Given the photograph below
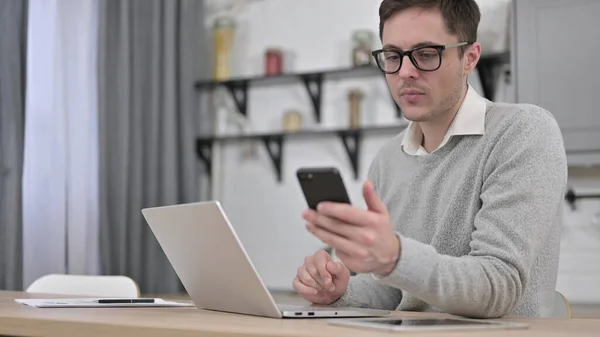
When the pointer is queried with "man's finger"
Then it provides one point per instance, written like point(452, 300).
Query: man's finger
point(339, 243)
point(347, 213)
point(301, 288)
point(307, 279)
point(311, 269)
point(336, 268)
point(374, 203)
point(321, 260)
point(351, 232)
point(309, 215)
point(334, 225)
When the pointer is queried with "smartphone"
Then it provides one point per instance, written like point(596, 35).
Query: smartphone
point(322, 184)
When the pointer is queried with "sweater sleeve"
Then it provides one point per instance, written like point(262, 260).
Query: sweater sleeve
point(364, 291)
point(525, 179)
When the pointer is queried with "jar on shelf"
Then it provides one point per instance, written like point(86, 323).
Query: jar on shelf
point(355, 98)
point(273, 62)
point(292, 121)
point(223, 31)
point(362, 47)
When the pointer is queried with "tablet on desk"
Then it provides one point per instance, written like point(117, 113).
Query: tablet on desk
point(427, 324)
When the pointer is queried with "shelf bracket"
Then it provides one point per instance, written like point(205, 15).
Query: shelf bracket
point(274, 145)
point(571, 198)
point(204, 152)
point(314, 86)
point(239, 93)
point(351, 140)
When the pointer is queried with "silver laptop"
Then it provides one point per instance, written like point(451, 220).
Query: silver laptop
point(215, 269)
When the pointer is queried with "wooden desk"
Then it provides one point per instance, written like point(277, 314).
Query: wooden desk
point(20, 320)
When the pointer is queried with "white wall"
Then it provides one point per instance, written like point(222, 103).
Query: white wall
point(579, 270)
point(267, 214)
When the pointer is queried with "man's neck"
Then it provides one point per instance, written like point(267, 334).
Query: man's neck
point(434, 131)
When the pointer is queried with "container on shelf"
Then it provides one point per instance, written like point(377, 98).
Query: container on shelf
point(362, 47)
point(273, 62)
point(355, 98)
point(223, 31)
point(292, 121)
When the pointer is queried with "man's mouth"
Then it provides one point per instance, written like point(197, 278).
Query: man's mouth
point(411, 94)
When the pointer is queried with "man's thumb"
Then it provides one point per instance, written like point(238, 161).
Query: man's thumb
point(372, 199)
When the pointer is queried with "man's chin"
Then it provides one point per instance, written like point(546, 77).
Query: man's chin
point(415, 114)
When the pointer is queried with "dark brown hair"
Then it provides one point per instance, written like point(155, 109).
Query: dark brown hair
point(461, 17)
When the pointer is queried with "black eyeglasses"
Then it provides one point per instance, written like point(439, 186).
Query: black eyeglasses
point(426, 58)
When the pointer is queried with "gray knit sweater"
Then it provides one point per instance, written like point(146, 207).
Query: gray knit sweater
point(479, 220)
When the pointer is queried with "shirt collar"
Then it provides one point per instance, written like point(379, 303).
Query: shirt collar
point(469, 120)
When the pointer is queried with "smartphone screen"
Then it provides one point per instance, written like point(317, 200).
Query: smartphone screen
point(322, 184)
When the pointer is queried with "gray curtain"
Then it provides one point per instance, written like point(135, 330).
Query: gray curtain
point(150, 53)
point(13, 32)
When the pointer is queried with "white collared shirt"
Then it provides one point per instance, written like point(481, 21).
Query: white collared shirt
point(469, 120)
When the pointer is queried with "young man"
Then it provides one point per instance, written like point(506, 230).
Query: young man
point(464, 206)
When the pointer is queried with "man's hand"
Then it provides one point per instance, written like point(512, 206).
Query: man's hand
point(321, 280)
point(364, 240)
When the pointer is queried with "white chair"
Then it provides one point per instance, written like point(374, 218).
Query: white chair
point(562, 308)
point(85, 285)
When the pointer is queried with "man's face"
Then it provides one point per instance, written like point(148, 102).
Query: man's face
point(425, 96)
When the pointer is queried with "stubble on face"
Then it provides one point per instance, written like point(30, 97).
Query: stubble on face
point(450, 101)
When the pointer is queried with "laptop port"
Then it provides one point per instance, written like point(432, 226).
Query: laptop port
point(311, 314)
point(298, 314)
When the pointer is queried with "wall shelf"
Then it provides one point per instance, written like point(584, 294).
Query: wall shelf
point(350, 137)
point(313, 82)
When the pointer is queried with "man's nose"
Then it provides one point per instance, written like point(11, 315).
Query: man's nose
point(408, 69)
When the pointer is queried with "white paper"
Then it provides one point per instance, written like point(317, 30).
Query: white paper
point(92, 303)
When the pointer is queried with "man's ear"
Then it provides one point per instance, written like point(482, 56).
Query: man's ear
point(471, 57)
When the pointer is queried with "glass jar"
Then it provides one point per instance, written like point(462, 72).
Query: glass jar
point(355, 98)
point(292, 121)
point(363, 46)
point(223, 31)
point(273, 62)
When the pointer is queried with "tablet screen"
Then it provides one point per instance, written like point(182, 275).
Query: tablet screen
point(407, 323)
point(425, 322)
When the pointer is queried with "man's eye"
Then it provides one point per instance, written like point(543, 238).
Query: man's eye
point(427, 55)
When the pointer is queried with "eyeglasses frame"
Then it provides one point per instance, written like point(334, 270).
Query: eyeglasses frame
point(409, 53)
